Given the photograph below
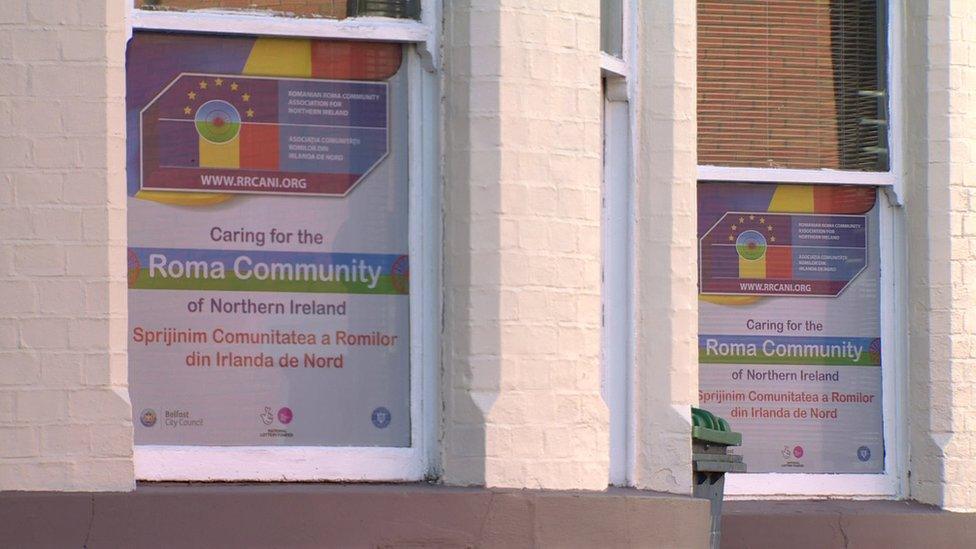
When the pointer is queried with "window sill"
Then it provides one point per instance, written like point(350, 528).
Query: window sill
point(344, 515)
point(358, 28)
point(843, 523)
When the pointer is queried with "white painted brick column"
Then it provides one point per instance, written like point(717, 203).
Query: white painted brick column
point(665, 247)
point(522, 404)
point(941, 200)
point(65, 418)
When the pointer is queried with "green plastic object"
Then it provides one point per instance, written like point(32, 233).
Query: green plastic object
point(707, 427)
point(710, 461)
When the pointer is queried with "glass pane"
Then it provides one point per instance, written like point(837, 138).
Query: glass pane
point(332, 9)
point(335, 9)
point(790, 323)
point(792, 84)
point(612, 26)
point(267, 232)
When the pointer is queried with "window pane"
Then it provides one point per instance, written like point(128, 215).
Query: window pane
point(792, 84)
point(612, 26)
point(790, 323)
point(333, 9)
point(267, 233)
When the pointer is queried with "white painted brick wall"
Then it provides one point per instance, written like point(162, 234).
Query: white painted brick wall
point(522, 404)
point(666, 306)
point(960, 452)
point(65, 418)
point(941, 202)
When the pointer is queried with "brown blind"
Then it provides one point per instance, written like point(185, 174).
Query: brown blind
point(792, 84)
point(335, 9)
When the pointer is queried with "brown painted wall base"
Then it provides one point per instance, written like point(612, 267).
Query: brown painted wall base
point(828, 524)
point(350, 515)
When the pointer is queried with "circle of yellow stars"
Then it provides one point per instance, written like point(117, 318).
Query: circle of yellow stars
point(752, 217)
point(219, 83)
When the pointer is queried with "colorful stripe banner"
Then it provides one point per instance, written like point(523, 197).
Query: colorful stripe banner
point(259, 271)
point(789, 350)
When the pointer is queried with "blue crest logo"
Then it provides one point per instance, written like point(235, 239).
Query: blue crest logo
point(381, 418)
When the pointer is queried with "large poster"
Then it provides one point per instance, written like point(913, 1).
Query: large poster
point(789, 323)
point(267, 232)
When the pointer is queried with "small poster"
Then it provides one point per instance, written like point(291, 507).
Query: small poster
point(226, 132)
point(789, 324)
point(762, 253)
point(268, 261)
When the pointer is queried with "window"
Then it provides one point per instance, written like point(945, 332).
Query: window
point(790, 323)
point(331, 9)
point(800, 344)
point(617, 170)
point(792, 84)
point(612, 27)
point(279, 217)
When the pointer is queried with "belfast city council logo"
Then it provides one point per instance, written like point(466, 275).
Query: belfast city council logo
point(147, 417)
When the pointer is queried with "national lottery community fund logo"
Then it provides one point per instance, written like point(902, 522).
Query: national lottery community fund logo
point(790, 452)
point(285, 415)
point(148, 417)
point(267, 416)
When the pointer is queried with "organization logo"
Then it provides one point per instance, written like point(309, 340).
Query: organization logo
point(134, 268)
point(180, 419)
point(750, 245)
point(147, 417)
point(381, 418)
point(267, 416)
point(224, 124)
point(791, 456)
point(863, 453)
point(400, 274)
point(285, 415)
point(875, 350)
point(217, 121)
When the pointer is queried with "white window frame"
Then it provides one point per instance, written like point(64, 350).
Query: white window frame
point(617, 279)
point(893, 482)
point(617, 226)
point(612, 65)
point(308, 463)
